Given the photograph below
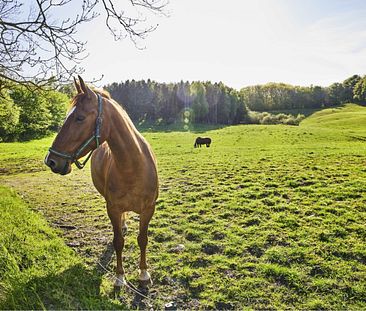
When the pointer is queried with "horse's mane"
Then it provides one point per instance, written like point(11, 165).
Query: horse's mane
point(106, 95)
point(131, 127)
point(101, 92)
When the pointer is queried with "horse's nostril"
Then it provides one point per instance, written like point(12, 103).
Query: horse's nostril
point(51, 163)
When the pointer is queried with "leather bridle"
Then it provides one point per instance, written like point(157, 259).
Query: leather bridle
point(96, 136)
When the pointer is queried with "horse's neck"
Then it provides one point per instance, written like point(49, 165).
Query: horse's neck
point(123, 139)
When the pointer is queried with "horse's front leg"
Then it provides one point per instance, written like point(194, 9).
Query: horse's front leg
point(142, 239)
point(118, 242)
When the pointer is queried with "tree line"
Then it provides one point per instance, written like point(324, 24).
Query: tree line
point(216, 103)
point(27, 114)
point(281, 96)
point(162, 103)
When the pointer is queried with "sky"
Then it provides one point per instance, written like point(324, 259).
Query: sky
point(238, 42)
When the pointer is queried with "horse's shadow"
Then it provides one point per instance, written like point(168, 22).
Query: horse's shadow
point(74, 288)
point(105, 258)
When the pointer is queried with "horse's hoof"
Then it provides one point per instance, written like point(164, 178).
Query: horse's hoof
point(120, 281)
point(145, 279)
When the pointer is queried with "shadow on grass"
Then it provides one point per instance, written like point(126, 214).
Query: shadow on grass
point(105, 258)
point(74, 288)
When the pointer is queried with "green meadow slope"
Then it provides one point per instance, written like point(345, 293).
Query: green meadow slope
point(270, 217)
point(350, 118)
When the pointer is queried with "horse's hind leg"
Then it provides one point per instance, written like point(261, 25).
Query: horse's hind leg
point(142, 239)
point(118, 242)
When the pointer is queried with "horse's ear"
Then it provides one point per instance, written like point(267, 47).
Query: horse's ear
point(85, 89)
point(77, 86)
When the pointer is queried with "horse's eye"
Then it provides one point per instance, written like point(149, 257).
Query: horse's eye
point(80, 118)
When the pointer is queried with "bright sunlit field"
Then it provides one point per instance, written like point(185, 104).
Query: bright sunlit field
point(268, 217)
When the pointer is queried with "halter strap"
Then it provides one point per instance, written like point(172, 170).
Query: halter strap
point(96, 136)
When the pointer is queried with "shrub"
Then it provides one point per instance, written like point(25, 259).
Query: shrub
point(269, 118)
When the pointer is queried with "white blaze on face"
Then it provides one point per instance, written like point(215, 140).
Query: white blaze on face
point(69, 113)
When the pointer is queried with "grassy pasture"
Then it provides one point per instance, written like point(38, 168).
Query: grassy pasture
point(271, 217)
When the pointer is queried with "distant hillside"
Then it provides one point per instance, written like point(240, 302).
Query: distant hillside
point(347, 117)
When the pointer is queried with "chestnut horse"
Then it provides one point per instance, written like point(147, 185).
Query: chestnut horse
point(123, 166)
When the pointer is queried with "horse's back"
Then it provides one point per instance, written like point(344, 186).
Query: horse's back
point(203, 140)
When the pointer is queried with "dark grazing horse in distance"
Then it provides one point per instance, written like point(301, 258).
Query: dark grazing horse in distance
point(202, 141)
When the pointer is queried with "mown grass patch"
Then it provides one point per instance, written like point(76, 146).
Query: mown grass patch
point(268, 217)
point(24, 157)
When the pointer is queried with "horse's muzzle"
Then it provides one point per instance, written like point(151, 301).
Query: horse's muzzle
point(57, 165)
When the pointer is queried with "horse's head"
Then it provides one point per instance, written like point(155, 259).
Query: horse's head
point(80, 132)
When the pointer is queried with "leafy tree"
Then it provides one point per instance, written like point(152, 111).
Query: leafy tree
point(316, 96)
point(254, 98)
point(34, 118)
point(239, 112)
point(199, 105)
point(213, 95)
point(34, 113)
point(9, 118)
point(359, 91)
point(223, 109)
point(349, 85)
point(56, 103)
point(336, 94)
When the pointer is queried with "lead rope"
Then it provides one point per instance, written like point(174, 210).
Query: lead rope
point(128, 284)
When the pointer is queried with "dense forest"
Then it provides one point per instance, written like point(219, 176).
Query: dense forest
point(201, 102)
point(26, 114)
point(215, 103)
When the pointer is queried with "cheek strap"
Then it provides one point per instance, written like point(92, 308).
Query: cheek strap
point(96, 136)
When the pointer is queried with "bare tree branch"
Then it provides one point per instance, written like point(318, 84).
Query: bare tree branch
point(36, 49)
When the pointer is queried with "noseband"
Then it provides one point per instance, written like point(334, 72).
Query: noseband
point(96, 136)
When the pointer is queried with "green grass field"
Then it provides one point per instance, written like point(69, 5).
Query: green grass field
point(271, 217)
